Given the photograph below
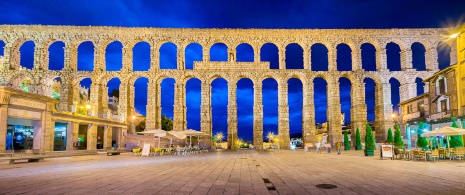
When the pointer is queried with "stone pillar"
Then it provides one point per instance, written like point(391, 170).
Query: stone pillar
point(383, 111)
point(258, 116)
point(71, 57)
point(205, 54)
point(283, 115)
point(431, 60)
point(231, 55)
point(122, 138)
point(151, 107)
point(306, 55)
point(6, 55)
point(332, 60)
point(37, 56)
point(256, 55)
point(107, 137)
point(381, 60)
point(179, 118)
point(123, 101)
point(308, 113)
point(95, 100)
point(334, 111)
point(47, 128)
point(206, 109)
point(409, 90)
point(282, 58)
point(358, 110)
point(453, 52)
point(406, 59)
point(232, 114)
point(357, 59)
point(154, 56)
point(92, 137)
point(64, 103)
point(127, 59)
point(99, 58)
point(72, 135)
point(181, 65)
point(4, 101)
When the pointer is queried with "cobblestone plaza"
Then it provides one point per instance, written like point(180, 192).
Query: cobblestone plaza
point(233, 172)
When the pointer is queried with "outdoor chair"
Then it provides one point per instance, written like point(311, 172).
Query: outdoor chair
point(137, 151)
point(435, 155)
point(442, 153)
point(459, 153)
point(397, 153)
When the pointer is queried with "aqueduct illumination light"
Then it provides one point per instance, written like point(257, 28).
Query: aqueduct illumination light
point(454, 35)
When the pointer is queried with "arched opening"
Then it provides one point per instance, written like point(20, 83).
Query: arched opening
point(393, 56)
point(114, 56)
point(443, 50)
point(344, 57)
point(319, 55)
point(244, 53)
point(420, 86)
point(370, 99)
point(418, 56)
point(113, 94)
point(140, 95)
point(56, 56)
point(269, 53)
point(295, 101)
point(321, 101)
point(193, 101)
point(219, 52)
point(395, 96)
point(345, 87)
point(27, 54)
point(245, 101)
point(368, 57)
point(168, 56)
point(2, 48)
point(84, 90)
point(270, 107)
point(219, 102)
point(56, 88)
point(85, 56)
point(294, 56)
point(193, 52)
point(141, 57)
point(167, 97)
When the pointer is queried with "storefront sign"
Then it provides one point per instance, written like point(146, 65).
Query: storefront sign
point(387, 151)
point(28, 103)
point(26, 114)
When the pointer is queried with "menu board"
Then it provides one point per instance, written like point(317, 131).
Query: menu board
point(146, 150)
point(387, 151)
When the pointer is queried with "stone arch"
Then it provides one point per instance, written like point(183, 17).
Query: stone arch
point(266, 54)
point(54, 57)
point(168, 55)
point(319, 57)
point(219, 52)
point(244, 53)
point(444, 58)
point(418, 56)
point(393, 56)
point(114, 56)
point(192, 53)
point(420, 86)
point(193, 89)
point(344, 57)
point(368, 56)
point(294, 56)
point(26, 54)
point(85, 56)
point(141, 55)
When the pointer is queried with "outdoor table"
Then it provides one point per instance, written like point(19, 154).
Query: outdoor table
point(427, 153)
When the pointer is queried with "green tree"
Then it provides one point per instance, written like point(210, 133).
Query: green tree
point(358, 140)
point(456, 140)
point(421, 141)
point(166, 123)
point(140, 126)
point(390, 139)
point(369, 139)
point(398, 143)
point(346, 140)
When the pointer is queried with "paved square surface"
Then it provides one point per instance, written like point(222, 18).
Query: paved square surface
point(233, 172)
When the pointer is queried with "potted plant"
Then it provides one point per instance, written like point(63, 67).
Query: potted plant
point(369, 142)
point(421, 141)
point(346, 141)
point(358, 140)
point(390, 139)
point(398, 143)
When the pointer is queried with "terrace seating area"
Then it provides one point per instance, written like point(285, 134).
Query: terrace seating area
point(179, 151)
point(434, 155)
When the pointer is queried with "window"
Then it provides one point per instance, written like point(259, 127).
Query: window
point(443, 105)
point(442, 87)
point(409, 109)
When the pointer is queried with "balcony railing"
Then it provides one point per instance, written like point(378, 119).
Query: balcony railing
point(411, 116)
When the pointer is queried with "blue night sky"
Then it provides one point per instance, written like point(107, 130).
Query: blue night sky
point(236, 14)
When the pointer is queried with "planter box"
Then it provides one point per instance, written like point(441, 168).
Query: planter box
point(358, 147)
point(369, 152)
point(347, 148)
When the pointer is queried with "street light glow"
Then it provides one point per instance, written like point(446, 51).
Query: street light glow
point(454, 35)
point(88, 106)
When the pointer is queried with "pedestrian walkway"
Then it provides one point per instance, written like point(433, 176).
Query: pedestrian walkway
point(233, 172)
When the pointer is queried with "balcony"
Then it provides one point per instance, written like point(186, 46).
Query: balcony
point(445, 114)
point(411, 116)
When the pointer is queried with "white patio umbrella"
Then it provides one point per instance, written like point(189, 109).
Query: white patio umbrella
point(191, 132)
point(175, 134)
point(156, 133)
point(445, 131)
